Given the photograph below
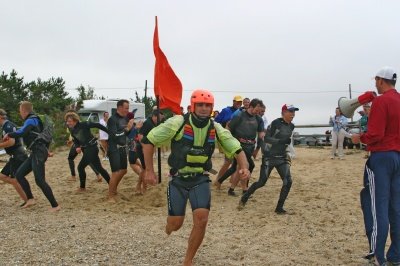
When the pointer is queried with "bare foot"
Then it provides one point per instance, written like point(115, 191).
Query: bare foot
point(138, 189)
point(112, 199)
point(217, 184)
point(28, 203)
point(55, 209)
point(168, 230)
point(81, 189)
point(72, 178)
point(187, 263)
point(143, 189)
point(99, 178)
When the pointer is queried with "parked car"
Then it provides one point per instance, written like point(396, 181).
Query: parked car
point(348, 142)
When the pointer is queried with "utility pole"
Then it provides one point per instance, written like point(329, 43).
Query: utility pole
point(145, 91)
point(350, 98)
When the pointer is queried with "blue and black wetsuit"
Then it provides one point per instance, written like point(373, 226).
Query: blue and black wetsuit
point(36, 161)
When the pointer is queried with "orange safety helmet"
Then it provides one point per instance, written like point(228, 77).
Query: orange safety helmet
point(201, 96)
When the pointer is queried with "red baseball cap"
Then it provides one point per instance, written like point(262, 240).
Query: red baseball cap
point(289, 107)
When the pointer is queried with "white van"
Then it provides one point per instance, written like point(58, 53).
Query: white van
point(93, 110)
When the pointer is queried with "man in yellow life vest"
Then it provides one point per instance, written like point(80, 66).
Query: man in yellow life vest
point(193, 140)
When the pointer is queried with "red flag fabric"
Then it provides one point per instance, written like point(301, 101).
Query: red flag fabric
point(167, 85)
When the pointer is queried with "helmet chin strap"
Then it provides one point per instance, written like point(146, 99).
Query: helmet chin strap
point(200, 121)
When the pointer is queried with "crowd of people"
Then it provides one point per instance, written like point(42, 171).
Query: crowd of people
point(239, 131)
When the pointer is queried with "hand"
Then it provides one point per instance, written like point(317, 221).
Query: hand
point(139, 124)
point(244, 174)
point(285, 141)
point(130, 124)
point(78, 150)
point(150, 177)
point(355, 138)
point(6, 137)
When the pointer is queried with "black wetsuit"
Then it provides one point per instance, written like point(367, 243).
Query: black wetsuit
point(147, 126)
point(84, 139)
point(117, 142)
point(275, 155)
point(16, 152)
point(244, 127)
point(36, 160)
point(71, 157)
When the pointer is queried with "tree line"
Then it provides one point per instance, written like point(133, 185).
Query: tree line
point(49, 97)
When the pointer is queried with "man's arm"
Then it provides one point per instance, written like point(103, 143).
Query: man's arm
point(29, 124)
point(97, 125)
point(8, 143)
point(221, 116)
point(148, 151)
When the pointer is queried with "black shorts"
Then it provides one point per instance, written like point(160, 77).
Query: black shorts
point(12, 165)
point(118, 159)
point(139, 155)
point(133, 156)
point(196, 190)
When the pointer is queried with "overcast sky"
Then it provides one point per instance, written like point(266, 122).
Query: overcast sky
point(300, 52)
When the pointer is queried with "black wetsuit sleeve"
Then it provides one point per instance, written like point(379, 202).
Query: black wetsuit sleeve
point(233, 124)
point(260, 122)
point(270, 135)
point(97, 125)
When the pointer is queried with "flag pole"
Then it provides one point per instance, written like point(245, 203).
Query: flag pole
point(158, 149)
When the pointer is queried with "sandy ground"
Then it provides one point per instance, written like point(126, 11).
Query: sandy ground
point(325, 225)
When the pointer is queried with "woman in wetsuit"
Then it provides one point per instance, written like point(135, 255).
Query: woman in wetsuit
point(87, 143)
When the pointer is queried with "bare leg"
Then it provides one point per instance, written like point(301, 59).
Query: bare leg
point(222, 171)
point(234, 180)
point(16, 185)
point(113, 185)
point(200, 220)
point(173, 224)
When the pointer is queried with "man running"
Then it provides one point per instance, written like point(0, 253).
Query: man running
point(277, 138)
point(245, 127)
point(380, 198)
point(36, 161)
point(118, 129)
point(224, 118)
point(85, 142)
point(14, 149)
point(193, 142)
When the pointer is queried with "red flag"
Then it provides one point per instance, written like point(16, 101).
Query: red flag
point(167, 85)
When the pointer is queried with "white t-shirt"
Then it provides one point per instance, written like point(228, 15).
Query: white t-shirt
point(103, 135)
point(265, 120)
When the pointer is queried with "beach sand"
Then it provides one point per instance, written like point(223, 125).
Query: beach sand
point(324, 227)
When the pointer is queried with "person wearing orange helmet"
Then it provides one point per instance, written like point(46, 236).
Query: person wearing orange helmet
point(193, 139)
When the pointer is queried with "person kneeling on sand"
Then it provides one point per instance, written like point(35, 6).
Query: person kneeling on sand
point(192, 145)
